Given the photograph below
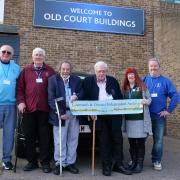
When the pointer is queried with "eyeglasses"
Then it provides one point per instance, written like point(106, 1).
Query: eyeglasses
point(6, 52)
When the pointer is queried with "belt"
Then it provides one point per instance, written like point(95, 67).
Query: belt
point(67, 108)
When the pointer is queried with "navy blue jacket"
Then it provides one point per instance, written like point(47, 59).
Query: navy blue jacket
point(56, 89)
point(91, 92)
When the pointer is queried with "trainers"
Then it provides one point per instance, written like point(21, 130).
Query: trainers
point(7, 165)
point(157, 166)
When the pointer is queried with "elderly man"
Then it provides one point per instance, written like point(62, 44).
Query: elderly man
point(9, 72)
point(103, 87)
point(160, 88)
point(68, 86)
point(32, 100)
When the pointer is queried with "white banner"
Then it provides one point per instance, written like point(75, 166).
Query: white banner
point(125, 106)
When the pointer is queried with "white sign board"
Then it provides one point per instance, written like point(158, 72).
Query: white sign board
point(1, 11)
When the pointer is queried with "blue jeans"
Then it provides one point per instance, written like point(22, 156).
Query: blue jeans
point(8, 123)
point(158, 127)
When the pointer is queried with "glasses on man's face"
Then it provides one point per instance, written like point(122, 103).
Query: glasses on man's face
point(6, 52)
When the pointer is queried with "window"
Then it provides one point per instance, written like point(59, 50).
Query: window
point(171, 1)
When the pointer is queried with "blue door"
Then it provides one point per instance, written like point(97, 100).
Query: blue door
point(14, 41)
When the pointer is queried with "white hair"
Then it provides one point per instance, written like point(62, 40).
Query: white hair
point(39, 50)
point(155, 59)
point(100, 64)
point(9, 47)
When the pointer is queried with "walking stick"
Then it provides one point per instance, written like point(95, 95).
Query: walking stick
point(17, 133)
point(1, 150)
point(60, 145)
point(93, 146)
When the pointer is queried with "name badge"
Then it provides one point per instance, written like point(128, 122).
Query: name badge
point(154, 95)
point(7, 82)
point(39, 80)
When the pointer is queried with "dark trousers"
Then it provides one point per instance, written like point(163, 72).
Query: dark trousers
point(111, 143)
point(36, 128)
point(137, 148)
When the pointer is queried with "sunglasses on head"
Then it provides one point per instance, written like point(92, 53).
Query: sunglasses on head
point(6, 52)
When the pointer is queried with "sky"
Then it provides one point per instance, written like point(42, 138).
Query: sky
point(1, 11)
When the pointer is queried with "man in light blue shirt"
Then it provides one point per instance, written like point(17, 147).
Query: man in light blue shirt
point(160, 88)
point(9, 72)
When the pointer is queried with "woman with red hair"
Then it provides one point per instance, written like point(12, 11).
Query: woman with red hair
point(138, 126)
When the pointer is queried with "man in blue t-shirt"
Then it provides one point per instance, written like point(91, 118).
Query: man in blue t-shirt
point(161, 89)
point(9, 72)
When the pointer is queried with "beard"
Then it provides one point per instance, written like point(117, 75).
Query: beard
point(65, 77)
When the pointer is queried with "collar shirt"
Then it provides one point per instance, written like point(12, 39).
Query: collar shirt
point(103, 95)
point(67, 91)
point(102, 90)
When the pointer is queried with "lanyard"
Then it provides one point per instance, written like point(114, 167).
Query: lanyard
point(130, 93)
point(4, 72)
point(153, 85)
point(38, 73)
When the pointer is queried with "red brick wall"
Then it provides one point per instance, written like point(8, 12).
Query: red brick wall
point(83, 49)
point(167, 47)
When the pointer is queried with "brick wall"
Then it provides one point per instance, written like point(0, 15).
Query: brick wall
point(82, 48)
point(167, 47)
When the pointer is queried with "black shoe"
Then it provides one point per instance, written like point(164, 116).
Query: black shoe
point(30, 166)
point(121, 169)
point(71, 168)
point(132, 166)
point(46, 167)
point(56, 170)
point(106, 170)
point(138, 168)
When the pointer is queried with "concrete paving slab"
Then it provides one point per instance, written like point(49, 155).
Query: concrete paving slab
point(171, 167)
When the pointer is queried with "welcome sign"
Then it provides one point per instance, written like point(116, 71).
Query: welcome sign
point(88, 17)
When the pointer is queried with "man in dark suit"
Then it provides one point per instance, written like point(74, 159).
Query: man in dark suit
point(108, 127)
point(67, 86)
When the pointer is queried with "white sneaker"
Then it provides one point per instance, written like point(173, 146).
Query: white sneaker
point(157, 166)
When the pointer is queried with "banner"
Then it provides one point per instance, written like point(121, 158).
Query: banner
point(88, 17)
point(109, 107)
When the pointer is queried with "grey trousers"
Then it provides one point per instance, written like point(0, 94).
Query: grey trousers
point(70, 135)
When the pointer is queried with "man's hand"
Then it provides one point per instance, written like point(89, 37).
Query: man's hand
point(73, 98)
point(64, 117)
point(164, 114)
point(144, 101)
point(22, 107)
point(92, 117)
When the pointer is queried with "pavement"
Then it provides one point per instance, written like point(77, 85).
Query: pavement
point(171, 166)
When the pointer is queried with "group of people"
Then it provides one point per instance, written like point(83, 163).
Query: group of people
point(34, 90)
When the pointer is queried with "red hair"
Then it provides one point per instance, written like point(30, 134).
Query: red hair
point(138, 81)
